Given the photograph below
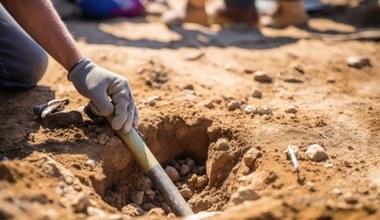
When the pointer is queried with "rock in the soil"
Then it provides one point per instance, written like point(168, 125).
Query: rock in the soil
point(232, 105)
point(249, 109)
point(152, 100)
point(63, 118)
point(148, 206)
point(189, 87)
point(220, 161)
point(351, 198)
point(256, 93)
point(137, 197)
point(291, 109)
point(358, 61)
point(251, 156)
point(244, 193)
point(222, 144)
point(198, 204)
point(316, 153)
point(103, 139)
point(208, 104)
point(186, 193)
point(91, 163)
point(190, 162)
point(185, 169)
point(172, 173)
point(201, 182)
point(150, 193)
point(264, 111)
point(262, 77)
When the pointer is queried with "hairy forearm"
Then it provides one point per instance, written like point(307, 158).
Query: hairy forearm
point(40, 20)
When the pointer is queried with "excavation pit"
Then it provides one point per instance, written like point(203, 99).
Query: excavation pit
point(199, 158)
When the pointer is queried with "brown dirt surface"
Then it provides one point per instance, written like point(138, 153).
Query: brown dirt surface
point(227, 146)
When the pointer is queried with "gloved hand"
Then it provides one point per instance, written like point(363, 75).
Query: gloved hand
point(99, 85)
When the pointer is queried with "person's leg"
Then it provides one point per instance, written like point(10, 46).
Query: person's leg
point(194, 12)
point(22, 61)
point(289, 12)
point(243, 11)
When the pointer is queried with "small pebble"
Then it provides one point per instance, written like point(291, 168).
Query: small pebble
point(189, 87)
point(186, 193)
point(264, 110)
point(137, 197)
point(148, 206)
point(216, 100)
point(311, 186)
point(256, 93)
point(358, 61)
point(350, 198)
point(208, 104)
point(90, 163)
point(185, 169)
point(201, 182)
point(172, 173)
point(291, 109)
point(151, 194)
point(262, 77)
point(249, 109)
point(316, 153)
point(232, 105)
point(328, 165)
point(190, 162)
point(152, 100)
point(250, 157)
point(336, 191)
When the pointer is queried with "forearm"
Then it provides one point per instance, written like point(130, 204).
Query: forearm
point(40, 20)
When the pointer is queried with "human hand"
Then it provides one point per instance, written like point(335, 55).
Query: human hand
point(99, 85)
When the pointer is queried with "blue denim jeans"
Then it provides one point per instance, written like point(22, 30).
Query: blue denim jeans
point(22, 61)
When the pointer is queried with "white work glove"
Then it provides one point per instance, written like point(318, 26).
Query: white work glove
point(99, 85)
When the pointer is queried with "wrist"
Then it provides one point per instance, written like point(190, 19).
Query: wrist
point(76, 64)
point(80, 69)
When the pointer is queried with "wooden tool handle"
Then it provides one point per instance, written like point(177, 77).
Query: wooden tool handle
point(156, 173)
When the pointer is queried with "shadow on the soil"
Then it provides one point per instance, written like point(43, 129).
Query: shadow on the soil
point(366, 15)
point(17, 118)
point(236, 36)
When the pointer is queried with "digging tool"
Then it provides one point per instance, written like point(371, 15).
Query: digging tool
point(153, 169)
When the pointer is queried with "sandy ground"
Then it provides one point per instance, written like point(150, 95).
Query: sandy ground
point(192, 86)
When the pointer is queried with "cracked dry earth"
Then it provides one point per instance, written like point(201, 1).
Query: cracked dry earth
point(218, 111)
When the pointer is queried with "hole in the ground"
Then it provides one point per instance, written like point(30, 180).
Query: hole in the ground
point(199, 157)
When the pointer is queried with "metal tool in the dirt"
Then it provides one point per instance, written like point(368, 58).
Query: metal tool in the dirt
point(154, 170)
point(292, 151)
point(53, 113)
point(52, 106)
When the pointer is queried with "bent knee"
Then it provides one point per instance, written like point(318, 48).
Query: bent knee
point(24, 73)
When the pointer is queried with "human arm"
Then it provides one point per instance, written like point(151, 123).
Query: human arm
point(39, 19)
